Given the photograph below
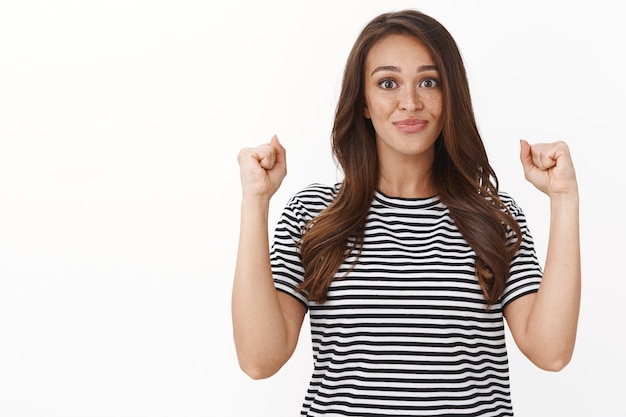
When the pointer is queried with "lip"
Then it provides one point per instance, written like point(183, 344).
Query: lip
point(411, 125)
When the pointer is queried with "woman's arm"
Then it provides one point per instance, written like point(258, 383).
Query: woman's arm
point(544, 324)
point(266, 323)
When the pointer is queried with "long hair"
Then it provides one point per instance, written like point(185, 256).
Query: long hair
point(465, 181)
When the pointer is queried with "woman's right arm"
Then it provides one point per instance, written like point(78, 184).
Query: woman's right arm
point(266, 322)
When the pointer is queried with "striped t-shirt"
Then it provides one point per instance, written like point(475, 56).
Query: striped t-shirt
point(407, 332)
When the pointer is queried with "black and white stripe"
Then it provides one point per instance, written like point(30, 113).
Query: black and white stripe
point(407, 331)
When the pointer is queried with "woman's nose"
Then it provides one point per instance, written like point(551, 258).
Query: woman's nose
point(410, 100)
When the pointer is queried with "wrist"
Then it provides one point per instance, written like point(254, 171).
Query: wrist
point(255, 202)
point(567, 200)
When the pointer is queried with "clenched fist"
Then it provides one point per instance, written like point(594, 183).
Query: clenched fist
point(549, 167)
point(262, 169)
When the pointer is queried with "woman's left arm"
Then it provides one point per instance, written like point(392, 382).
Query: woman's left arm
point(544, 324)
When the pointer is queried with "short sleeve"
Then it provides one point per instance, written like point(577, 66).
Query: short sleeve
point(525, 271)
point(285, 258)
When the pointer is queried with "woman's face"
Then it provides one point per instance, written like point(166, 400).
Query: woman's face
point(403, 98)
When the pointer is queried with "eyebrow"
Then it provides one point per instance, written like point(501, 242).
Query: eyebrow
point(392, 68)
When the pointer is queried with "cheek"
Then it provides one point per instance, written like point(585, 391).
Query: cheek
point(377, 106)
point(435, 105)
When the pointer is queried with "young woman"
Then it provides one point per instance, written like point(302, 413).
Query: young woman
point(409, 266)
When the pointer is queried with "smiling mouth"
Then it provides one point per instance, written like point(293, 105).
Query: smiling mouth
point(411, 125)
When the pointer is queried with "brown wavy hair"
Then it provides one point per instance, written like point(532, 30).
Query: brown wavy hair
point(465, 181)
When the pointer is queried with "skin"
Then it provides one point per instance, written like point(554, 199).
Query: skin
point(544, 324)
point(404, 103)
point(267, 323)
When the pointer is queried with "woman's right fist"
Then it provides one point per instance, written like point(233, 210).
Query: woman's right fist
point(262, 168)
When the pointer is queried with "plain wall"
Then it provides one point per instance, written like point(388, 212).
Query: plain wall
point(120, 123)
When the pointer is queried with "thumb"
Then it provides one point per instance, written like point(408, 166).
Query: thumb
point(525, 155)
point(281, 153)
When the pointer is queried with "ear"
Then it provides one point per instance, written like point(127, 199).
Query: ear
point(366, 112)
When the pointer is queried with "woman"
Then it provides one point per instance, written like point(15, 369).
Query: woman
point(410, 265)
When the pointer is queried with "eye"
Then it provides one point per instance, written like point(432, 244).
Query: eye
point(387, 83)
point(429, 83)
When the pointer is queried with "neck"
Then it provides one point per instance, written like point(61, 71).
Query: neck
point(408, 183)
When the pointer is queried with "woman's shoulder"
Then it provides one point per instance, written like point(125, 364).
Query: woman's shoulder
point(311, 200)
point(510, 203)
point(317, 193)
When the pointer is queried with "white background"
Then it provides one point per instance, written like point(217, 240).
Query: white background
point(120, 122)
